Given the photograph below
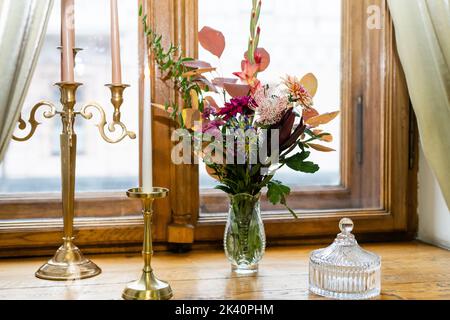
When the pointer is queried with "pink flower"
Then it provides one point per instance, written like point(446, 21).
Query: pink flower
point(249, 73)
point(239, 105)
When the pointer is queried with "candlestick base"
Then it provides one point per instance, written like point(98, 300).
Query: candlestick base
point(68, 263)
point(148, 287)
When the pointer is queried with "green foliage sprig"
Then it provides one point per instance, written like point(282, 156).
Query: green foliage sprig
point(171, 64)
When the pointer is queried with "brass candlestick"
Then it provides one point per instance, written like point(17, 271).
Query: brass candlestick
point(148, 287)
point(69, 263)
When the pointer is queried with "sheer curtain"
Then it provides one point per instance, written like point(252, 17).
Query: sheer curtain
point(423, 40)
point(23, 24)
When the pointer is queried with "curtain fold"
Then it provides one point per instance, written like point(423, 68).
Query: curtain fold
point(423, 39)
point(23, 24)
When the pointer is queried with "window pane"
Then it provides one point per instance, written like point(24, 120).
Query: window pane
point(34, 166)
point(302, 36)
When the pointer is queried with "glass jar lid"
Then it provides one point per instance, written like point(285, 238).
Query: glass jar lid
point(345, 251)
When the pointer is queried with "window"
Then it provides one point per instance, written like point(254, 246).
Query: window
point(372, 177)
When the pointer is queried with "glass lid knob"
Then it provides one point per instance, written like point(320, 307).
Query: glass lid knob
point(346, 225)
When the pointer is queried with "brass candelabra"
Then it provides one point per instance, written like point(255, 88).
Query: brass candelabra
point(69, 263)
point(148, 287)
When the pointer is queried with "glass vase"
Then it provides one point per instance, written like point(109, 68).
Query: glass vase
point(244, 239)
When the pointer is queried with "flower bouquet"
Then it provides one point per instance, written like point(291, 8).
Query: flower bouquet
point(246, 136)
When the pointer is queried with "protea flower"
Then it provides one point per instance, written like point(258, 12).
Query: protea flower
point(271, 106)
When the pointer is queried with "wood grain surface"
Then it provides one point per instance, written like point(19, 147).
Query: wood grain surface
point(409, 271)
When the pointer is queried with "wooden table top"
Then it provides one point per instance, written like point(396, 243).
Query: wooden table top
point(409, 271)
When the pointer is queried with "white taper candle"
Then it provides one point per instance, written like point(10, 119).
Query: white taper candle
point(147, 145)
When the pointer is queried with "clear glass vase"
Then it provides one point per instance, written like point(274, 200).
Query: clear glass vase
point(245, 239)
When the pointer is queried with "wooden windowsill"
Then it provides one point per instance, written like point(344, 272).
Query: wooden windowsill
point(411, 270)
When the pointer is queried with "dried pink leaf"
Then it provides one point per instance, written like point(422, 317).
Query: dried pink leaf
point(212, 102)
point(197, 64)
point(204, 83)
point(309, 113)
point(320, 147)
point(212, 40)
point(221, 81)
point(237, 90)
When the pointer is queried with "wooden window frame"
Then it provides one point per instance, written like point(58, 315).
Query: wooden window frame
point(375, 73)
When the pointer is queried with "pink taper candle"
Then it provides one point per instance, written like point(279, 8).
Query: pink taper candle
point(115, 44)
point(67, 40)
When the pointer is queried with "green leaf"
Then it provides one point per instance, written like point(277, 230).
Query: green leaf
point(224, 189)
point(277, 192)
point(265, 181)
point(256, 169)
point(306, 167)
point(299, 157)
point(167, 65)
point(230, 182)
point(297, 162)
point(301, 146)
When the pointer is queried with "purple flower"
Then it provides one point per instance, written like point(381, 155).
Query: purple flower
point(208, 111)
point(212, 125)
point(239, 105)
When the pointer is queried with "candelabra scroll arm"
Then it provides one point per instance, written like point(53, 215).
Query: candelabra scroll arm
point(88, 115)
point(22, 124)
point(117, 101)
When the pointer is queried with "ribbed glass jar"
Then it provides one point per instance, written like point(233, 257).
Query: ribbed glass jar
point(244, 239)
point(344, 270)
